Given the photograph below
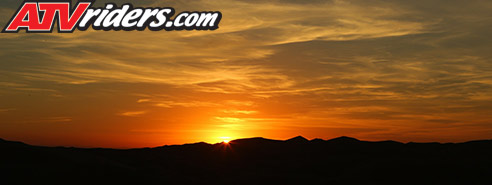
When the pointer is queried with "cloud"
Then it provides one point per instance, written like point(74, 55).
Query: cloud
point(6, 110)
point(236, 112)
point(58, 119)
point(132, 113)
point(90, 57)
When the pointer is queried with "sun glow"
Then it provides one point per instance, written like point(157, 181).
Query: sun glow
point(225, 139)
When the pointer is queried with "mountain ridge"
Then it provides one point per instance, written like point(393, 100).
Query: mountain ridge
point(296, 139)
point(341, 160)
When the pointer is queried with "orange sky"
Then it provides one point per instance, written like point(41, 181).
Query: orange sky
point(400, 70)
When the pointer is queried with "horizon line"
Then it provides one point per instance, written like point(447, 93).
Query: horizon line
point(235, 140)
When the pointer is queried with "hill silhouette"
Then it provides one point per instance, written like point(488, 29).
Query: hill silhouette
point(342, 160)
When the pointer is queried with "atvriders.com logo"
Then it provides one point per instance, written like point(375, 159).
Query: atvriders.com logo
point(39, 16)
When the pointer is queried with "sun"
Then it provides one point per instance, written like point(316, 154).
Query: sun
point(225, 139)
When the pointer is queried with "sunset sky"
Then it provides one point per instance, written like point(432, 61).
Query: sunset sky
point(375, 70)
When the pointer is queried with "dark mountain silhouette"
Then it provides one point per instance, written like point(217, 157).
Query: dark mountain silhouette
point(343, 139)
point(342, 160)
point(298, 139)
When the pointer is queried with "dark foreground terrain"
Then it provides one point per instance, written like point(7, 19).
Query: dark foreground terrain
point(253, 161)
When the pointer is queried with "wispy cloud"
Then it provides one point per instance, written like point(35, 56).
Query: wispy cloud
point(6, 109)
point(132, 113)
point(60, 119)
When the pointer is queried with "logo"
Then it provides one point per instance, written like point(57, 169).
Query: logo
point(40, 16)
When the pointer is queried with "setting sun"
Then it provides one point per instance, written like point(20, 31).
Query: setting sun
point(225, 139)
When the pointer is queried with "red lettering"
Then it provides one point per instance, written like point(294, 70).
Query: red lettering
point(31, 11)
point(66, 22)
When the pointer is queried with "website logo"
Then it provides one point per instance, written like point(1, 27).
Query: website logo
point(40, 16)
